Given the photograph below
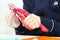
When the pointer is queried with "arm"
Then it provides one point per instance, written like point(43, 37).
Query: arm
point(47, 22)
point(52, 25)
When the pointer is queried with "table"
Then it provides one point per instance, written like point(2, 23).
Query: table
point(43, 38)
point(25, 37)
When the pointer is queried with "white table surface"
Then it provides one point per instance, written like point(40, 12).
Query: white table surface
point(16, 36)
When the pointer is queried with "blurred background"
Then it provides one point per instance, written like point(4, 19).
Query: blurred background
point(4, 9)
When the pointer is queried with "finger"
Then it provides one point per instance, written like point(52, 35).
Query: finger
point(37, 18)
point(10, 17)
point(36, 25)
point(27, 19)
point(31, 24)
point(31, 20)
point(11, 6)
point(15, 22)
point(27, 26)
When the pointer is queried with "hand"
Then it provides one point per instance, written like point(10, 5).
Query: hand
point(12, 20)
point(32, 21)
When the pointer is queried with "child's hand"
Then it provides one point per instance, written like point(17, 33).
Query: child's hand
point(32, 21)
point(12, 20)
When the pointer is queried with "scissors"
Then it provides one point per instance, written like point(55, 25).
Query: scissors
point(22, 14)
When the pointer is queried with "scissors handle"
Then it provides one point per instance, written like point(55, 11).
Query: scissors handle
point(22, 14)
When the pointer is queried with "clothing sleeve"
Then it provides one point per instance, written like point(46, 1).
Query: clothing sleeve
point(28, 5)
point(49, 23)
point(52, 25)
